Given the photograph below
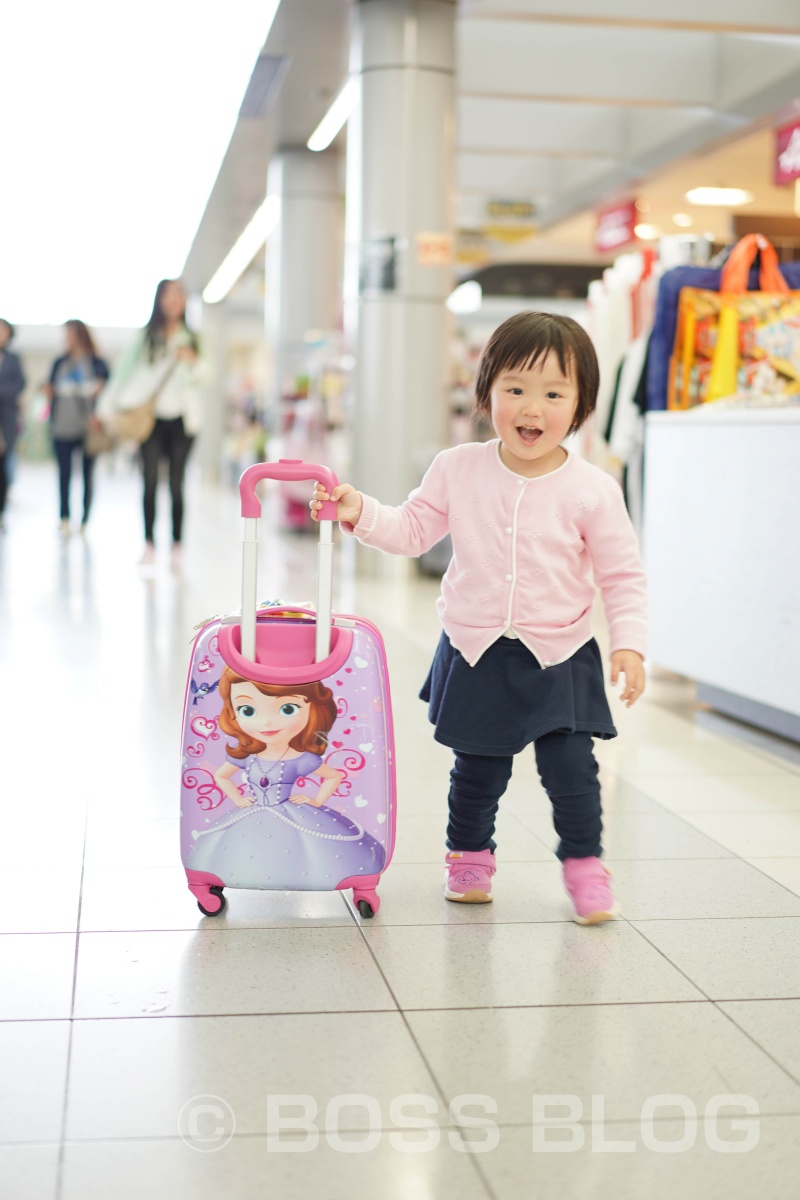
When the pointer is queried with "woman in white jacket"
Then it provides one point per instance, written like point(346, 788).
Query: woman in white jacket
point(165, 360)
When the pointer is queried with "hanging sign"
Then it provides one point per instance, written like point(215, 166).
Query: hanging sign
point(513, 210)
point(615, 227)
point(787, 153)
point(378, 265)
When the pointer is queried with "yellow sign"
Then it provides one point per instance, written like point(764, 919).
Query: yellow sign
point(517, 210)
point(509, 233)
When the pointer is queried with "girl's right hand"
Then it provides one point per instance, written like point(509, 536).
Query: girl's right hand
point(242, 801)
point(349, 502)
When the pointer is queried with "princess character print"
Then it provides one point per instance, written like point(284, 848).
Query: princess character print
point(286, 786)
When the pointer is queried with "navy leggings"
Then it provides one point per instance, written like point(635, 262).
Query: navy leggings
point(65, 450)
point(568, 771)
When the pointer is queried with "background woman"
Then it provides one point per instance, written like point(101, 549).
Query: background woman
point(165, 361)
point(76, 380)
point(12, 384)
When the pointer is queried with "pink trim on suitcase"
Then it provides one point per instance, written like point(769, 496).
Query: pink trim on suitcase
point(389, 725)
point(290, 654)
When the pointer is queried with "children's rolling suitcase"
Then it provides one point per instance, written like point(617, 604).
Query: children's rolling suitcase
point(287, 755)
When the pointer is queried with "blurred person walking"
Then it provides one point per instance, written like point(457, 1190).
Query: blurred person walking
point(76, 380)
point(12, 384)
point(163, 369)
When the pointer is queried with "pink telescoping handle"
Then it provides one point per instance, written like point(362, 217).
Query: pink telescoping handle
point(289, 469)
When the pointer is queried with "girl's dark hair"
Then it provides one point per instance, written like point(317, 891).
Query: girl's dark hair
point(526, 339)
point(154, 334)
point(83, 335)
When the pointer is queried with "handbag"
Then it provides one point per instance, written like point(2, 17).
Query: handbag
point(134, 422)
point(97, 440)
point(734, 340)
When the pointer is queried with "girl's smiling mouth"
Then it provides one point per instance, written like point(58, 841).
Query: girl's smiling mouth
point(529, 434)
point(268, 732)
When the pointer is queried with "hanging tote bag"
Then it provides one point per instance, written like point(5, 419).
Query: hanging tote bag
point(734, 340)
point(97, 439)
point(134, 416)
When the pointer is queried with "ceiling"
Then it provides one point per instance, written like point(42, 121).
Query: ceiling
point(570, 104)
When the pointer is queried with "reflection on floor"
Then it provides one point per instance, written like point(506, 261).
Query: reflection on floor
point(134, 1034)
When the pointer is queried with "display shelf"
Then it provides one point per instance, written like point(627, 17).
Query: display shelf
point(722, 551)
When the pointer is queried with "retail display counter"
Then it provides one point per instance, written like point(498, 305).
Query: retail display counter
point(722, 551)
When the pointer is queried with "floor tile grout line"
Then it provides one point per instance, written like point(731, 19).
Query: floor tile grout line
point(465, 924)
point(751, 1037)
point(731, 853)
point(170, 1139)
point(442, 1093)
point(68, 1068)
point(366, 1012)
point(672, 964)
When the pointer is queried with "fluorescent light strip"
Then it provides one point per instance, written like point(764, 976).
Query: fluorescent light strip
point(335, 117)
point(719, 196)
point(243, 251)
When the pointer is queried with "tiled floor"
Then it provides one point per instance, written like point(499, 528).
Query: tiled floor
point(546, 1059)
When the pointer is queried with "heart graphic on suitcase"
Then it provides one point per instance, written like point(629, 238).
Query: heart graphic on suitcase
point(203, 727)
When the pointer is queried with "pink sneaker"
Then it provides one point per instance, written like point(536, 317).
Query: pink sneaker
point(587, 882)
point(468, 876)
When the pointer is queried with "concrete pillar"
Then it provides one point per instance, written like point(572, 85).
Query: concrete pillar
point(213, 332)
point(304, 256)
point(398, 273)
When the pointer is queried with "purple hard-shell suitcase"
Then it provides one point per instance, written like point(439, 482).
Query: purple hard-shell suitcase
point(287, 752)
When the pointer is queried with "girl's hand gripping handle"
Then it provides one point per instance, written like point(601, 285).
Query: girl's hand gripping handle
point(343, 498)
point(285, 469)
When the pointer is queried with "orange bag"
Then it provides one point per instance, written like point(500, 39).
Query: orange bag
point(734, 340)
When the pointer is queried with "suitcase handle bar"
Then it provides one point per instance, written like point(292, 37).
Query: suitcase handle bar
point(286, 470)
point(293, 469)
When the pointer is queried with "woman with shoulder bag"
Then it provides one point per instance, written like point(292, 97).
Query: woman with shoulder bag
point(156, 400)
point(76, 380)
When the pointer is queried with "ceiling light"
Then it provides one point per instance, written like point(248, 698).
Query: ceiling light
point(243, 251)
point(724, 196)
point(682, 219)
point(647, 233)
point(335, 117)
point(466, 298)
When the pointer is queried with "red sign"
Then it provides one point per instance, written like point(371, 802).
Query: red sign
point(787, 153)
point(615, 227)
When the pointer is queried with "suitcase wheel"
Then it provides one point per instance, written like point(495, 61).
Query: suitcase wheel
point(213, 912)
point(366, 909)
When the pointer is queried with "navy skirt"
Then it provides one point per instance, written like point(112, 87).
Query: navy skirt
point(507, 700)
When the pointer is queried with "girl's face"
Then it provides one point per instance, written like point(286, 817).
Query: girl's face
point(172, 302)
point(71, 340)
point(274, 720)
point(532, 410)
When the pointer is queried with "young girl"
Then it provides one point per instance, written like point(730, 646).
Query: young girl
point(280, 735)
point(517, 662)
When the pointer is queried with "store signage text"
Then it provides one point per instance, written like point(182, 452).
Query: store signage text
point(615, 227)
